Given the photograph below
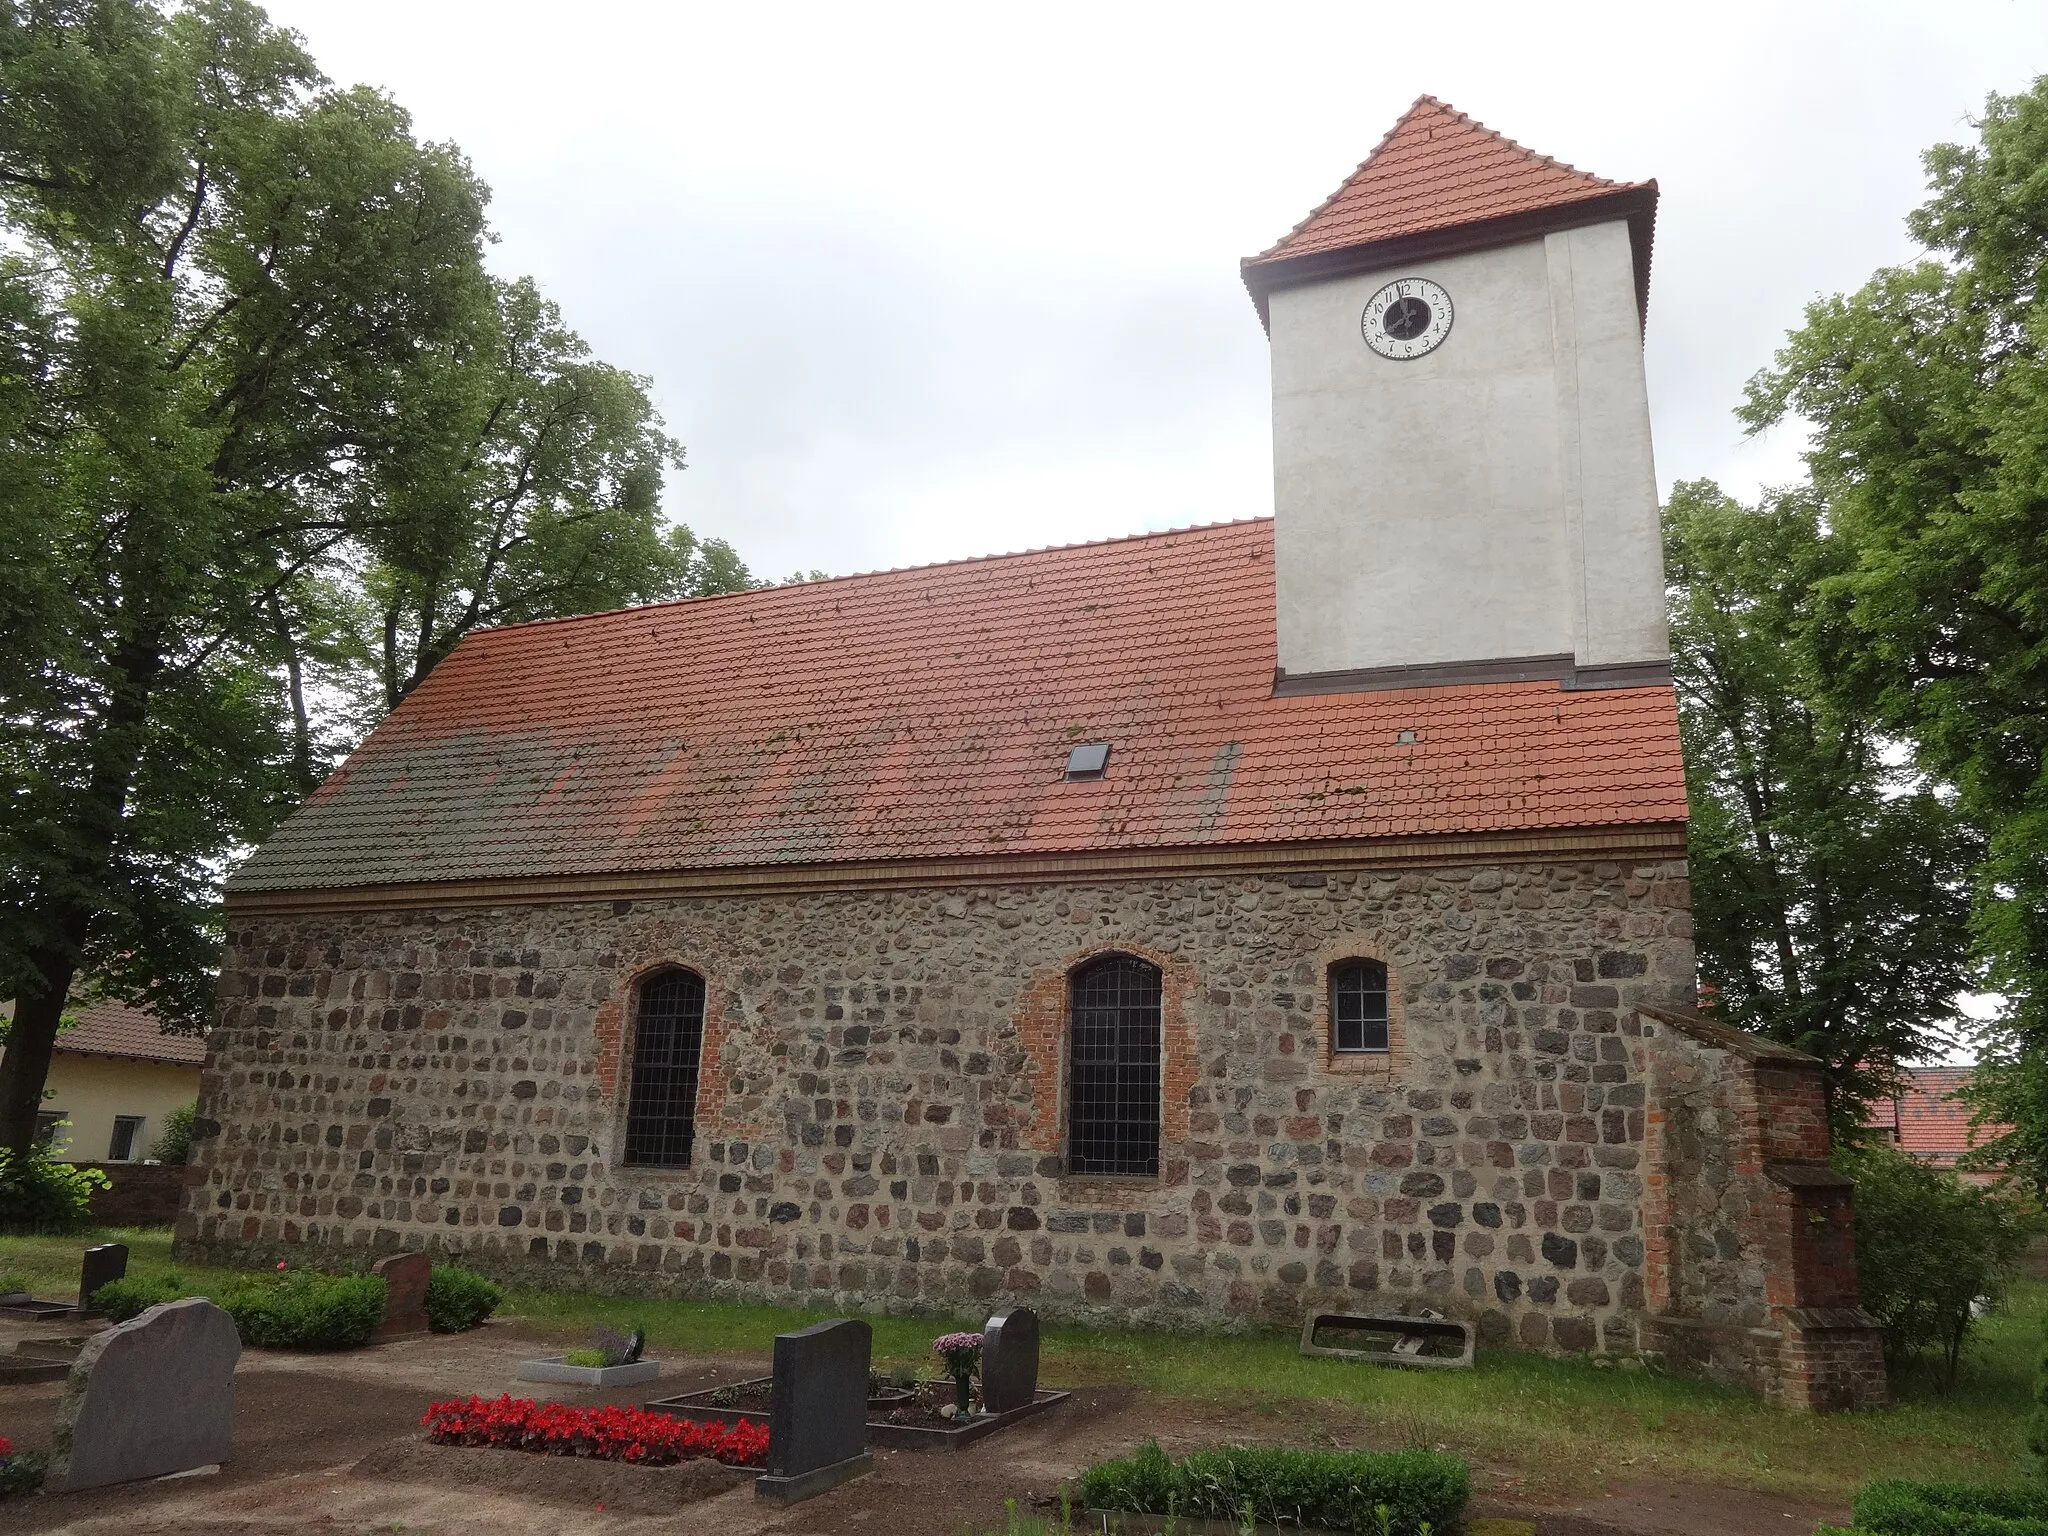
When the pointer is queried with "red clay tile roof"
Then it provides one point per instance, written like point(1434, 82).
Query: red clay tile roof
point(1928, 1121)
point(928, 713)
point(1437, 169)
point(114, 1029)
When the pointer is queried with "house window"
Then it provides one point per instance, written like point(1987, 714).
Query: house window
point(127, 1130)
point(668, 1046)
point(1358, 1007)
point(1113, 1069)
point(47, 1121)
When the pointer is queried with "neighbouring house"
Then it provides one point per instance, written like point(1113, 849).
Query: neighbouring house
point(1188, 929)
point(114, 1077)
point(1929, 1121)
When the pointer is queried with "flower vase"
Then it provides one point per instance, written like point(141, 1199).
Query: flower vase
point(963, 1394)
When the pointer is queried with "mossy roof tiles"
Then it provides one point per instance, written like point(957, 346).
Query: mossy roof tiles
point(928, 713)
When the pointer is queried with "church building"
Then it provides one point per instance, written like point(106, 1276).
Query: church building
point(1184, 930)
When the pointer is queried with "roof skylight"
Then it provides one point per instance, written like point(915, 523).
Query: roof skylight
point(1090, 760)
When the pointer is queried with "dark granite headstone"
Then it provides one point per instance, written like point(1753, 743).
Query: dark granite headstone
point(1009, 1360)
point(103, 1266)
point(150, 1396)
point(818, 1410)
point(405, 1295)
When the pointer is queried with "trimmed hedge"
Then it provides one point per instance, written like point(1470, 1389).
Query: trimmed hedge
point(301, 1309)
point(1945, 1509)
point(1401, 1493)
point(123, 1299)
point(459, 1299)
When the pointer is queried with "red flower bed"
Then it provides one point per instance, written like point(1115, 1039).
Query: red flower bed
point(607, 1434)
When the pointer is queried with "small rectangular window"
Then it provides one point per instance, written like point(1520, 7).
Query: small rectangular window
point(1090, 760)
point(127, 1131)
point(1358, 1007)
point(47, 1121)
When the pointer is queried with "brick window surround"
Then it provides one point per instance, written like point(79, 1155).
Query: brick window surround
point(1349, 950)
point(613, 1026)
point(1043, 1028)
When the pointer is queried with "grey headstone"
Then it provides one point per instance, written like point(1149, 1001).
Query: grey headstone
point(103, 1266)
point(149, 1396)
point(1009, 1360)
point(818, 1410)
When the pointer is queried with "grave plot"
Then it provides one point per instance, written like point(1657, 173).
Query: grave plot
point(915, 1417)
point(101, 1266)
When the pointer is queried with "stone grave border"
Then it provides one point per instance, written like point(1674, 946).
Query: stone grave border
point(698, 1407)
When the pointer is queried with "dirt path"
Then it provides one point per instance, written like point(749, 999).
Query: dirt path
point(330, 1443)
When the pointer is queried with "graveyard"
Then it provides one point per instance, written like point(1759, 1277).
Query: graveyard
point(332, 1439)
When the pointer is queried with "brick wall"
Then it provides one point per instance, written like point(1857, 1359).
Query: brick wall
point(880, 1122)
point(144, 1194)
point(1752, 1275)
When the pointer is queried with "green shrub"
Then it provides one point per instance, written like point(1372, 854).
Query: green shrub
point(2037, 1419)
point(1398, 1492)
point(594, 1358)
point(40, 1194)
point(459, 1298)
point(133, 1296)
point(21, 1472)
point(299, 1309)
point(1927, 1246)
point(1950, 1509)
point(173, 1143)
point(12, 1285)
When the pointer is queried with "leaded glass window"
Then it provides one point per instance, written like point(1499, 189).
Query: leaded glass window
point(1113, 1069)
point(1358, 1007)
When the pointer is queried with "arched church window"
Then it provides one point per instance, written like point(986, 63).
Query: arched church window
point(1358, 1007)
point(668, 1048)
point(1113, 1068)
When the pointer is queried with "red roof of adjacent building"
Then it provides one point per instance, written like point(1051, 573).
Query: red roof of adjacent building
point(929, 713)
point(108, 1028)
point(1929, 1121)
point(1437, 169)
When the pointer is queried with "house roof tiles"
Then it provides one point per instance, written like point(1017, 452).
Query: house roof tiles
point(1929, 1121)
point(107, 1028)
point(928, 713)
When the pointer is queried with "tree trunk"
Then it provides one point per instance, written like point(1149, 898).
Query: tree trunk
point(30, 1043)
point(95, 828)
point(302, 726)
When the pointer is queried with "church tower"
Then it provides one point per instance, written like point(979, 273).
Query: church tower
point(1463, 481)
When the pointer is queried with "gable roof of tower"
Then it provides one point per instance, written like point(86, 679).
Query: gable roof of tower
point(1440, 181)
point(928, 713)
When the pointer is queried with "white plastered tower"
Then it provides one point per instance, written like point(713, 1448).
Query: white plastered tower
point(1481, 502)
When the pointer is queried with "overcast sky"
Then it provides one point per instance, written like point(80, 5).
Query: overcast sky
point(922, 282)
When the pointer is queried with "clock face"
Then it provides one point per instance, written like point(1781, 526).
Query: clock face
point(1408, 317)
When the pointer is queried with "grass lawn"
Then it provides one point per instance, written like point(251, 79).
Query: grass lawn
point(1549, 1428)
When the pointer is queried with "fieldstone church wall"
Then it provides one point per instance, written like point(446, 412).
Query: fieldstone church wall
point(880, 1122)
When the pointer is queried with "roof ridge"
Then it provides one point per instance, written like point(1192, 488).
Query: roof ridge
point(890, 570)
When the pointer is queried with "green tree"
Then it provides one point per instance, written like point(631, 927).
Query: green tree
point(531, 488)
point(1927, 394)
point(270, 436)
point(1927, 1247)
point(1830, 884)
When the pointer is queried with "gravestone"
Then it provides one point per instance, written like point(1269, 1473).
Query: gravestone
point(102, 1266)
point(818, 1411)
point(1009, 1360)
point(150, 1396)
point(405, 1295)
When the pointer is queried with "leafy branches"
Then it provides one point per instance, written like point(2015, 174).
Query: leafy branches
point(1830, 881)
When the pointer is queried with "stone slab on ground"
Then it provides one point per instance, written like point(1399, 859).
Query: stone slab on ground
point(558, 1372)
point(405, 1277)
point(150, 1396)
point(1009, 1360)
point(818, 1410)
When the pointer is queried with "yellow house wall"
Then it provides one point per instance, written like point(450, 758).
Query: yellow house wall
point(92, 1090)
